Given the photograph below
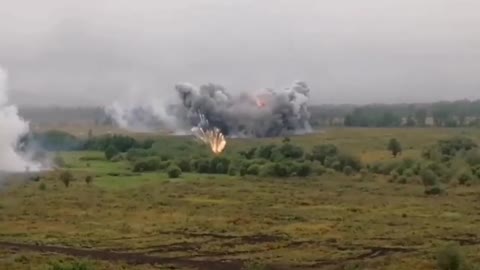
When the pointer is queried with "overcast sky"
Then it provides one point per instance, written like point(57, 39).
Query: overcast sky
point(348, 51)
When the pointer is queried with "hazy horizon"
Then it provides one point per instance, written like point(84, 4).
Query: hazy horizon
point(64, 52)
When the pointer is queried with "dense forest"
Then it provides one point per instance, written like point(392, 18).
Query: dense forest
point(442, 114)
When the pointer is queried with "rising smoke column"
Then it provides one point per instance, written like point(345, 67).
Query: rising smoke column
point(12, 127)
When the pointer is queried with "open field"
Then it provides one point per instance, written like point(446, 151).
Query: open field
point(126, 220)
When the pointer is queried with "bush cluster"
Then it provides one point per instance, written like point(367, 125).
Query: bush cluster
point(272, 160)
point(456, 158)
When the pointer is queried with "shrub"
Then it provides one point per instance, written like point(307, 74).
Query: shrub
point(243, 171)
point(347, 159)
point(249, 154)
point(408, 173)
point(318, 168)
point(203, 166)
point(444, 150)
point(432, 153)
point(184, 165)
point(438, 168)
point(117, 158)
point(290, 151)
point(268, 170)
point(265, 151)
point(321, 152)
point(476, 171)
point(292, 167)
point(282, 169)
point(232, 171)
point(465, 177)
point(304, 169)
point(332, 162)
point(449, 258)
point(394, 147)
point(406, 164)
point(110, 152)
point(88, 179)
point(276, 155)
point(388, 167)
point(146, 144)
point(140, 166)
point(174, 172)
point(347, 170)
point(429, 178)
point(330, 171)
point(394, 175)
point(219, 165)
point(162, 165)
point(473, 157)
point(66, 177)
point(220, 169)
point(42, 186)
point(147, 165)
point(136, 153)
point(435, 190)
point(122, 143)
point(253, 169)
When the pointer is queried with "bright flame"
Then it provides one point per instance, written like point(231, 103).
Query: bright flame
point(213, 137)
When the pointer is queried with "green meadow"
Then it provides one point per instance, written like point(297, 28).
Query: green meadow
point(148, 220)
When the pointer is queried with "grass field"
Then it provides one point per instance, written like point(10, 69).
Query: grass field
point(147, 221)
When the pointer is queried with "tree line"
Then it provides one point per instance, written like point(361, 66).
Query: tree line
point(444, 114)
point(441, 114)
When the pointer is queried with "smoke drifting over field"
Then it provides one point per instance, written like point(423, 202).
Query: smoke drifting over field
point(143, 114)
point(264, 113)
point(12, 127)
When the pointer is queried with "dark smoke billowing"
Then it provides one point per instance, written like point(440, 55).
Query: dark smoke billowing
point(266, 113)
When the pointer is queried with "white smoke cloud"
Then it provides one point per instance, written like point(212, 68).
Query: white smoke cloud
point(11, 128)
point(138, 112)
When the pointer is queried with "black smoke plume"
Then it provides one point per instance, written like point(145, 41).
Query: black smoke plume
point(265, 113)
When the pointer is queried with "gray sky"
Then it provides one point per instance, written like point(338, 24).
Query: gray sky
point(348, 51)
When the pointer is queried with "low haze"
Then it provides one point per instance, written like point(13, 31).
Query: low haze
point(349, 51)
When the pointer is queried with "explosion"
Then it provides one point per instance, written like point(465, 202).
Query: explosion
point(211, 136)
point(267, 113)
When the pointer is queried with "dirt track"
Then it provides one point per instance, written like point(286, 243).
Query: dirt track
point(131, 258)
point(196, 261)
